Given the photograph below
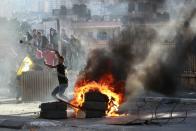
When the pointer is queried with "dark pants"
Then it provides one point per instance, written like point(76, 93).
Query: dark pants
point(59, 90)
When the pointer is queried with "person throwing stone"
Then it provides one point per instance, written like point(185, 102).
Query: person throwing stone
point(58, 92)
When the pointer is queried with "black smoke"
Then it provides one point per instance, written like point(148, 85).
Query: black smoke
point(163, 78)
point(131, 48)
point(122, 52)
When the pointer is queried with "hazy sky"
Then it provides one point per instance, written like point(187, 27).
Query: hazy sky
point(7, 7)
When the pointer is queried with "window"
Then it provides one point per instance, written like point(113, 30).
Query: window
point(131, 7)
point(102, 36)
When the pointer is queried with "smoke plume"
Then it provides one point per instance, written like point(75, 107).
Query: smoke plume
point(129, 57)
point(117, 59)
point(160, 69)
point(10, 56)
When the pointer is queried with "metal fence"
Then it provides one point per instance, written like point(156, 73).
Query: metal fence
point(38, 85)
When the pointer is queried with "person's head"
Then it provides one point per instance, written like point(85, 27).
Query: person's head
point(39, 34)
point(61, 60)
point(52, 31)
point(34, 31)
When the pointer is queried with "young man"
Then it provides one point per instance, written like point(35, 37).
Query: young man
point(42, 41)
point(63, 81)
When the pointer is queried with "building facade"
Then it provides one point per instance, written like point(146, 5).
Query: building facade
point(50, 5)
point(147, 11)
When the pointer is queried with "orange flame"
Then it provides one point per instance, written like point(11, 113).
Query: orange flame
point(106, 86)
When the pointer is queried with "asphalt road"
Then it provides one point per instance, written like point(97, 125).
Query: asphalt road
point(21, 116)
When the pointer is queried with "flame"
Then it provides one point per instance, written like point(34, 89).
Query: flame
point(106, 86)
point(25, 66)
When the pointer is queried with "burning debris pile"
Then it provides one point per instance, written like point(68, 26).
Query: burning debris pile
point(125, 69)
point(107, 86)
point(107, 69)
